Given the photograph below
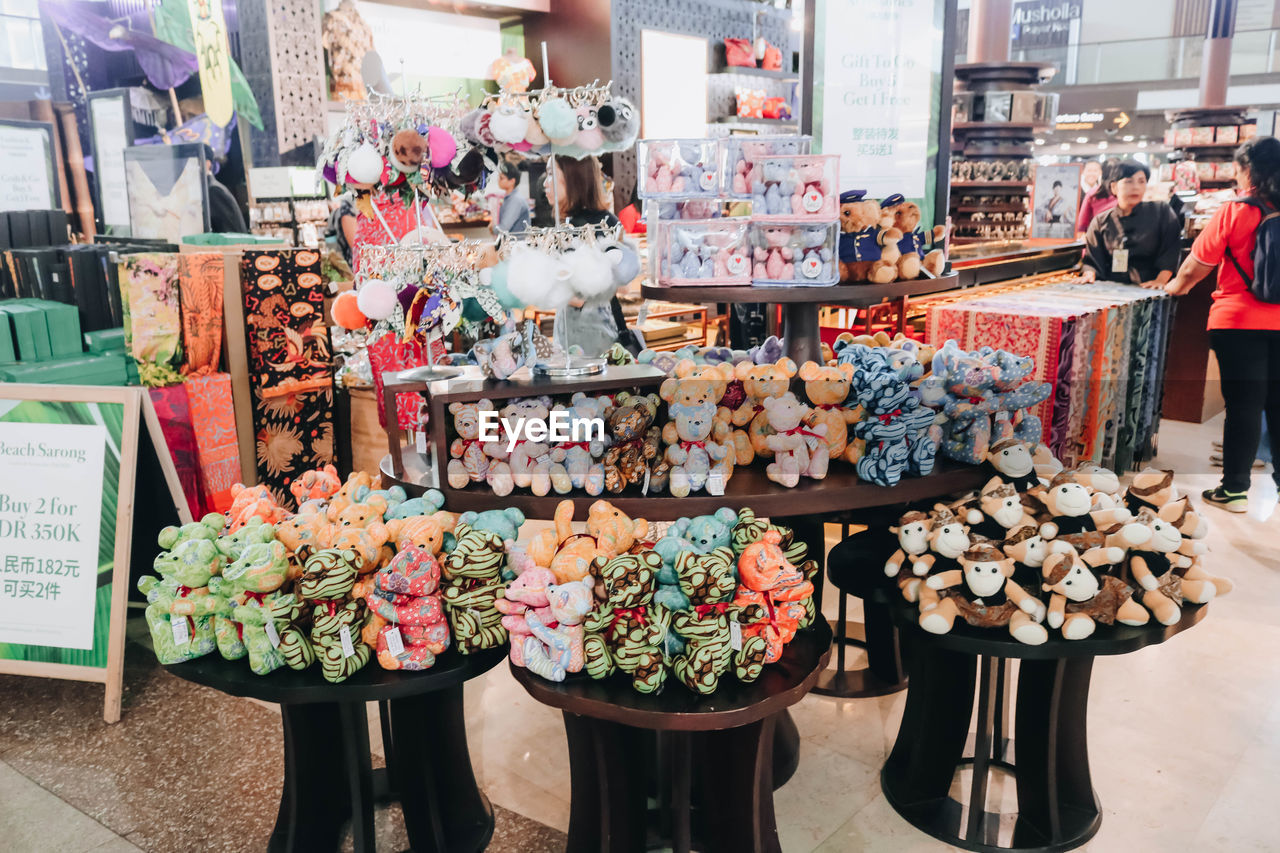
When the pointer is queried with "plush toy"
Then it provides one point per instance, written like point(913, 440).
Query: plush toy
point(337, 618)
point(814, 259)
point(948, 540)
point(913, 254)
point(300, 534)
point(812, 194)
point(760, 381)
point(614, 531)
point(505, 523)
point(359, 528)
point(428, 503)
point(774, 259)
point(566, 553)
point(1072, 517)
point(286, 638)
point(700, 535)
point(406, 596)
point(1028, 550)
point(346, 495)
point(555, 647)
point(984, 595)
point(317, 485)
point(694, 434)
point(1016, 395)
point(1081, 597)
point(697, 175)
point(913, 544)
point(180, 609)
point(868, 241)
point(577, 464)
point(252, 502)
point(625, 631)
point(771, 189)
point(995, 511)
point(619, 122)
point(827, 389)
point(798, 443)
point(530, 461)
point(251, 581)
point(635, 444)
point(1165, 576)
point(469, 457)
point(1010, 461)
point(1150, 489)
point(767, 580)
point(659, 170)
point(707, 627)
point(969, 402)
point(524, 596)
point(473, 583)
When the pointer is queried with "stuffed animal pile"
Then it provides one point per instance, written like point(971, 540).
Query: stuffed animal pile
point(1031, 555)
point(359, 572)
point(882, 242)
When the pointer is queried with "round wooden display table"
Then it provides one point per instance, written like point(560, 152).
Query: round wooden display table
point(712, 774)
point(328, 776)
point(1048, 754)
point(800, 304)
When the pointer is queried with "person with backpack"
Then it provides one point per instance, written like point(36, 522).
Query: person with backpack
point(1242, 241)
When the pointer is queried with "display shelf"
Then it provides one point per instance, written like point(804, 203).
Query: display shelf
point(752, 71)
point(990, 208)
point(768, 122)
point(1005, 185)
point(854, 295)
point(1209, 146)
point(840, 491)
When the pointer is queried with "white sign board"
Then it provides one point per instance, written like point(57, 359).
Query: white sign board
point(878, 56)
point(111, 137)
point(26, 167)
point(50, 513)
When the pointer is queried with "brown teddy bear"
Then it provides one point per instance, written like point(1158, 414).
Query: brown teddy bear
point(750, 421)
point(635, 450)
point(875, 246)
point(358, 527)
point(911, 245)
point(827, 388)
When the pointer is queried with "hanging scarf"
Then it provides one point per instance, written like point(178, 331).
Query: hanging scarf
point(200, 280)
point(152, 317)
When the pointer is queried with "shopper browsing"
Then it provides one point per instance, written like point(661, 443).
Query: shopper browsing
point(1097, 199)
point(513, 214)
point(1243, 330)
point(1135, 242)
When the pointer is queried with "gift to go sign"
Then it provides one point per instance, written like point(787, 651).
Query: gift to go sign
point(51, 479)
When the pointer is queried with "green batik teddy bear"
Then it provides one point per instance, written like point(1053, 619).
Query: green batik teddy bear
point(472, 585)
point(627, 629)
point(751, 529)
point(254, 531)
point(709, 581)
point(326, 582)
point(286, 613)
point(181, 593)
point(246, 585)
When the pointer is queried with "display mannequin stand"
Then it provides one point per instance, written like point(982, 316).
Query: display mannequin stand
point(1048, 755)
point(328, 776)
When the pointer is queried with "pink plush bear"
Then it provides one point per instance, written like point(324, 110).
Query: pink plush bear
point(524, 595)
point(555, 649)
point(747, 172)
point(812, 194)
point(799, 444)
point(731, 263)
point(660, 175)
point(773, 260)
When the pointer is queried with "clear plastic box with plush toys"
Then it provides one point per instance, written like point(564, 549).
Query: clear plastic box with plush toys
point(703, 251)
point(671, 168)
point(740, 154)
point(786, 253)
point(799, 187)
point(657, 211)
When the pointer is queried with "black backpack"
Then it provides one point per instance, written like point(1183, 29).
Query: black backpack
point(1265, 283)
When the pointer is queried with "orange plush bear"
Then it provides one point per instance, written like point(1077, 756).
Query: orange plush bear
point(827, 389)
point(358, 527)
point(751, 423)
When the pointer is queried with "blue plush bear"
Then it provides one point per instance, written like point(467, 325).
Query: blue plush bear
point(504, 522)
point(430, 501)
point(771, 196)
point(813, 262)
point(701, 535)
point(394, 496)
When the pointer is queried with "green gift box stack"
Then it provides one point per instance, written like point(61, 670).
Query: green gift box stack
point(40, 342)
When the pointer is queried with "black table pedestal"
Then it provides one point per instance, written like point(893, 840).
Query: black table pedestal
point(329, 777)
point(1057, 808)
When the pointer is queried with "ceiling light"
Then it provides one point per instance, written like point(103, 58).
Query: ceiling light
point(1128, 137)
point(1066, 146)
point(1082, 139)
point(1142, 143)
point(1039, 142)
point(1102, 144)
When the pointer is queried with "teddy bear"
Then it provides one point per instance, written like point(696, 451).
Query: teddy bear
point(301, 534)
point(660, 171)
point(760, 381)
point(1165, 576)
point(751, 530)
point(811, 193)
point(1016, 394)
point(614, 531)
point(695, 435)
point(431, 532)
point(968, 402)
point(1080, 597)
point(696, 175)
point(772, 255)
point(180, 608)
point(635, 444)
point(250, 583)
point(625, 630)
point(797, 441)
point(274, 629)
point(337, 618)
point(814, 262)
point(405, 595)
point(554, 647)
point(710, 627)
point(577, 464)
point(505, 523)
point(524, 596)
point(530, 461)
point(346, 495)
point(317, 485)
point(913, 255)
point(769, 581)
point(359, 529)
point(827, 389)
point(868, 240)
point(559, 548)
point(472, 574)
point(772, 189)
point(252, 502)
point(469, 457)
point(983, 594)
point(699, 535)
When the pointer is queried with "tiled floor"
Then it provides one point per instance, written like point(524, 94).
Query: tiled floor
point(1185, 739)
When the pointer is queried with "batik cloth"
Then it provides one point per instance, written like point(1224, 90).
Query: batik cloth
point(200, 281)
point(288, 340)
point(214, 421)
point(174, 413)
point(152, 315)
point(293, 434)
point(389, 354)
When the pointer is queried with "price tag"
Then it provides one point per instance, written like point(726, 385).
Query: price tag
point(272, 635)
point(420, 442)
point(348, 650)
point(715, 483)
point(395, 643)
point(735, 636)
point(645, 489)
point(1120, 261)
point(181, 633)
